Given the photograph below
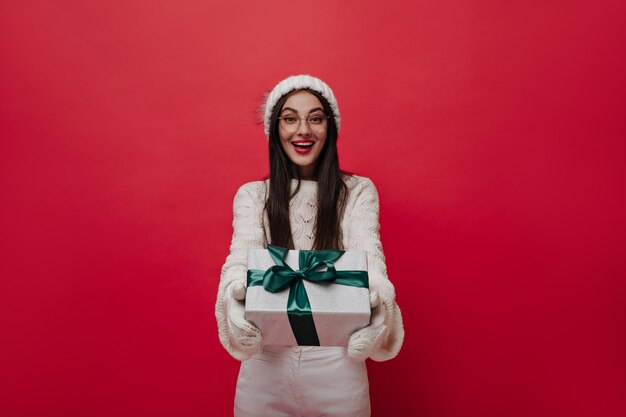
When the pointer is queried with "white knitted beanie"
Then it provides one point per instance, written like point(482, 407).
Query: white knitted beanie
point(298, 82)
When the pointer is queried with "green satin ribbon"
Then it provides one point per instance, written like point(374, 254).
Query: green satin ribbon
point(280, 277)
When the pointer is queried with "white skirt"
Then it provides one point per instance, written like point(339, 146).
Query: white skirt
point(305, 381)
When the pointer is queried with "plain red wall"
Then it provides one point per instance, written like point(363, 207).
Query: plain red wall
point(495, 133)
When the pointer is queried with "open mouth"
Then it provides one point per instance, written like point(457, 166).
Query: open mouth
point(303, 147)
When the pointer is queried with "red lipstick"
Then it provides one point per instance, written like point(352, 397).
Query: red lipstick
point(303, 146)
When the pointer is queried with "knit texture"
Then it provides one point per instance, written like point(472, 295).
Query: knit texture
point(360, 231)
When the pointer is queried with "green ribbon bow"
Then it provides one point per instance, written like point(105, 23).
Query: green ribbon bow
point(280, 277)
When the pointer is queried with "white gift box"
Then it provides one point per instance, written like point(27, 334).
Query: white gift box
point(338, 310)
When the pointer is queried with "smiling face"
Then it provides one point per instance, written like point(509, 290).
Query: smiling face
point(304, 145)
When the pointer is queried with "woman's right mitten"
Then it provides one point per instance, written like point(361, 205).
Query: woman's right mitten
point(244, 336)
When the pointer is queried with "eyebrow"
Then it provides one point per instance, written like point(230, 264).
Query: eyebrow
point(296, 111)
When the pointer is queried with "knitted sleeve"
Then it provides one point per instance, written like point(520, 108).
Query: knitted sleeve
point(247, 234)
point(363, 234)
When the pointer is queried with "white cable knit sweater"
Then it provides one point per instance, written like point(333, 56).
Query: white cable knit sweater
point(360, 229)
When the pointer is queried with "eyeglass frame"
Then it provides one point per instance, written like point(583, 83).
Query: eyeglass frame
point(306, 119)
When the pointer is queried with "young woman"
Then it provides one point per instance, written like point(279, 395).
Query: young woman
point(307, 203)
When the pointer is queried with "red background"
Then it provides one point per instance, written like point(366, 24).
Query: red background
point(495, 133)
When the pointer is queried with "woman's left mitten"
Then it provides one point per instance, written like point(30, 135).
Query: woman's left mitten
point(363, 343)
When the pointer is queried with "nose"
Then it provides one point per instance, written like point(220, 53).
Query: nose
point(304, 128)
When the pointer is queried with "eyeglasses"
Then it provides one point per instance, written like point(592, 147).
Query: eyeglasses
point(291, 122)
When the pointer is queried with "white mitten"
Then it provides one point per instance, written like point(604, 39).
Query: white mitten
point(364, 342)
point(244, 336)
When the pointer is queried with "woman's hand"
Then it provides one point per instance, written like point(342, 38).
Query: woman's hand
point(382, 339)
point(243, 335)
point(363, 343)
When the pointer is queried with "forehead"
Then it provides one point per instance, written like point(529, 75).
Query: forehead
point(302, 101)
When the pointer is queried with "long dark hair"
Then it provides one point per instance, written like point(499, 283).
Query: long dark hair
point(332, 191)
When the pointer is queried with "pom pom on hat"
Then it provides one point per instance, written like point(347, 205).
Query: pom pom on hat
point(298, 82)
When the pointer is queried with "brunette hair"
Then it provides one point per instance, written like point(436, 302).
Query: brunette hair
point(332, 190)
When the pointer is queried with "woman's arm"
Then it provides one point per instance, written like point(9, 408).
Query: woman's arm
point(383, 338)
point(239, 337)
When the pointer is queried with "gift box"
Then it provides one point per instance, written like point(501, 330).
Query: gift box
point(307, 298)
